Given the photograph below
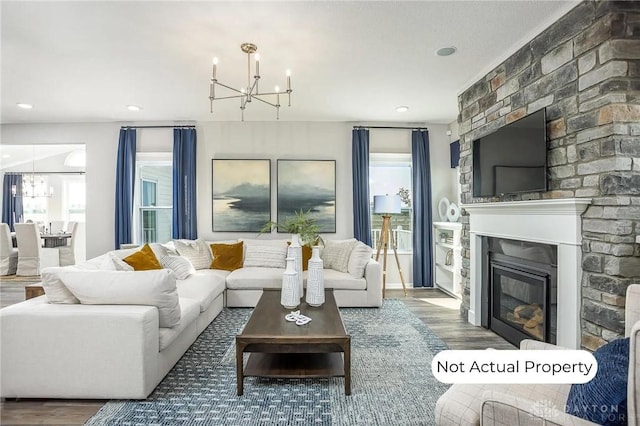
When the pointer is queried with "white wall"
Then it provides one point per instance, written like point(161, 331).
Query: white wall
point(272, 140)
point(101, 141)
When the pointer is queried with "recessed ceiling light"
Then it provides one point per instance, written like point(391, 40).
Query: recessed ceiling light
point(24, 106)
point(402, 108)
point(446, 51)
point(133, 108)
point(6, 155)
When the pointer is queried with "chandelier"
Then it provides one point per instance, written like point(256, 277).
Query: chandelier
point(251, 92)
point(33, 186)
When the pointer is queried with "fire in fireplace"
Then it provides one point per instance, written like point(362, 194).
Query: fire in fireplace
point(520, 289)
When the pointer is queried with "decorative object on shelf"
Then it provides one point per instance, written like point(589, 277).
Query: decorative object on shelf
point(294, 251)
point(308, 185)
point(251, 92)
point(443, 207)
point(315, 279)
point(443, 237)
point(298, 318)
point(289, 297)
point(448, 259)
point(386, 205)
point(453, 212)
point(241, 192)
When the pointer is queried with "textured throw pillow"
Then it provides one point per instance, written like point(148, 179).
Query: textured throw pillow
point(603, 400)
point(335, 254)
point(227, 257)
point(196, 251)
point(151, 288)
point(265, 253)
point(112, 262)
point(179, 265)
point(358, 260)
point(54, 288)
point(143, 260)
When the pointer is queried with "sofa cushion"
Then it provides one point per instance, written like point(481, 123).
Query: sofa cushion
point(54, 288)
point(342, 280)
point(143, 260)
point(255, 278)
point(335, 254)
point(204, 286)
point(360, 256)
point(603, 399)
point(227, 257)
point(265, 253)
point(180, 265)
point(197, 251)
point(112, 262)
point(152, 288)
point(189, 311)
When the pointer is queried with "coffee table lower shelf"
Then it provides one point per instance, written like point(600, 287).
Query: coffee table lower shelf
point(294, 366)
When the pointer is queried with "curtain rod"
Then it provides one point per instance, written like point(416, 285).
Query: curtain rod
point(44, 173)
point(390, 127)
point(159, 127)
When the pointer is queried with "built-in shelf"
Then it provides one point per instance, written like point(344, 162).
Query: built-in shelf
point(447, 257)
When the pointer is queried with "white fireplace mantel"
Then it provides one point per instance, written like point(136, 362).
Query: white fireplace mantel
point(557, 222)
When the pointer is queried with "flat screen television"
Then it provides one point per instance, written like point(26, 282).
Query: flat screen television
point(513, 159)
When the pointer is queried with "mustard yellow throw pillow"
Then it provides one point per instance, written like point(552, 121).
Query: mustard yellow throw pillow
point(227, 257)
point(143, 260)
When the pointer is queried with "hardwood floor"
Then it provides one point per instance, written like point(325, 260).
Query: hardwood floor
point(437, 310)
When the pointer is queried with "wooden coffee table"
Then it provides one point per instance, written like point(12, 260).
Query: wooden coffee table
point(280, 348)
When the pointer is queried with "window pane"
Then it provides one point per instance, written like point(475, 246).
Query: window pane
point(389, 178)
point(148, 193)
point(155, 186)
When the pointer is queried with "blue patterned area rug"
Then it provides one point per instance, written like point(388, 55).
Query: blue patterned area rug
point(392, 384)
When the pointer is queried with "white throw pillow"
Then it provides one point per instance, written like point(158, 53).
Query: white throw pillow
point(358, 260)
point(265, 253)
point(336, 253)
point(112, 262)
point(198, 252)
point(54, 288)
point(150, 288)
point(179, 265)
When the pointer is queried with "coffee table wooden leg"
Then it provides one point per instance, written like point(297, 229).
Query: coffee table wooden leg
point(347, 368)
point(240, 367)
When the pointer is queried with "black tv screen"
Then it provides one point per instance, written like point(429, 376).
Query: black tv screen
point(512, 159)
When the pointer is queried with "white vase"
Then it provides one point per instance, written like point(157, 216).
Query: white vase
point(295, 251)
point(315, 279)
point(289, 296)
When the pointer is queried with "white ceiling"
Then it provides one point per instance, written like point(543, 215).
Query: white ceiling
point(350, 61)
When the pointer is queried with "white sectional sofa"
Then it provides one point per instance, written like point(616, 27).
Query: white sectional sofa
point(52, 350)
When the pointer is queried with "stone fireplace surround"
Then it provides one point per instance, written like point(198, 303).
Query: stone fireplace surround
point(550, 221)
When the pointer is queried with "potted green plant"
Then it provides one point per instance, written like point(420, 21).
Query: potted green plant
point(301, 223)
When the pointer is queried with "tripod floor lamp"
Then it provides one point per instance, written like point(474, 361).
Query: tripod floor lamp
point(386, 205)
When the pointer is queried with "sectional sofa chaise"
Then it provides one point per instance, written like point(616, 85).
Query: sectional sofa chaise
point(111, 349)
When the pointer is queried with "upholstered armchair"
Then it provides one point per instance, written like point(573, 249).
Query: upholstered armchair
point(540, 404)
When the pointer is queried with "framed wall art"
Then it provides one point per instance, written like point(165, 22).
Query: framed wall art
point(308, 185)
point(241, 198)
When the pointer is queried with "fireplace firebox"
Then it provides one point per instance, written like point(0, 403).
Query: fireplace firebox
point(519, 289)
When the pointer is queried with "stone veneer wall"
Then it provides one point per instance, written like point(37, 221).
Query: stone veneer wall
point(585, 69)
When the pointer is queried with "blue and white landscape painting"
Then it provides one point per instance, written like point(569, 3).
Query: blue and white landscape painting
point(308, 185)
point(241, 195)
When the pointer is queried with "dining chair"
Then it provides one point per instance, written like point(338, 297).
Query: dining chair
point(32, 257)
point(56, 226)
point(8, 254)
point(67, 253)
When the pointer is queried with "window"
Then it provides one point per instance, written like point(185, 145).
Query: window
point(389, 174)
point(75, 200)
point(153, 221)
